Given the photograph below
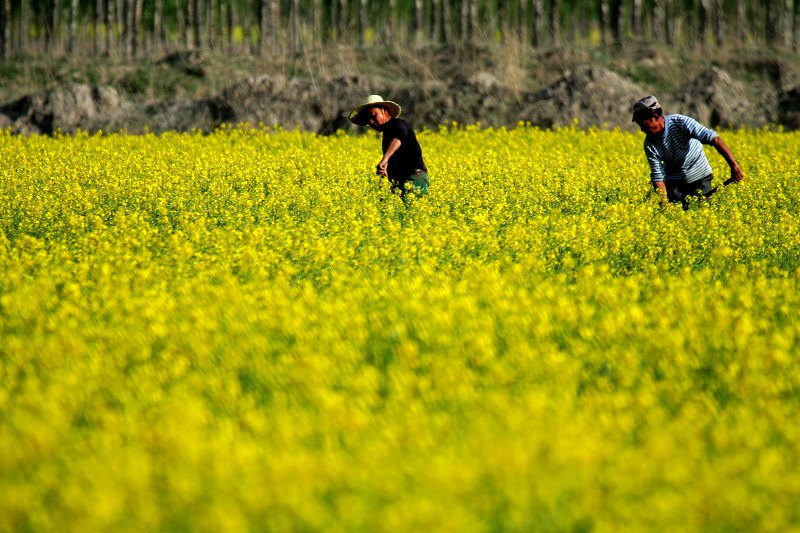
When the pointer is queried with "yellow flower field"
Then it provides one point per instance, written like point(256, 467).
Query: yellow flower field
point(248, 331)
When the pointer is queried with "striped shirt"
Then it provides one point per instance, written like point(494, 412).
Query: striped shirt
point(677, 152)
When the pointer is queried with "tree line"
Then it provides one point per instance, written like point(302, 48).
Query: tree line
point(136, 28)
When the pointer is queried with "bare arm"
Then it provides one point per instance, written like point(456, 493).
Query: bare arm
point(725, 152)
point(383, 166)
point(661, 189)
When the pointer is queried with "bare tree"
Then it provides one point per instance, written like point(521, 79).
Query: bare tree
point(555, 21)
point(24, 21)
point(111, 20)
point(362, 22)
point(658, 20)
point(796, 29)
point(212, 20)
point(138, 9)
point(97, 20)
point(294, 25)
point(469, 19)
point(772, 21)
point(615, 21)
point(537, 19)
point(5, 30)
point(604, 14)
point(669, 22)
point(274, 22)
point(787, 21)
point(419, 21)
point(197, 22)
point(702, 21)
point(636, 18)
point(159, 33)
point(262, 26)
point(719, 22)
point(129, 9)
point(436, 21)
point(72, 26)
point(342, 20)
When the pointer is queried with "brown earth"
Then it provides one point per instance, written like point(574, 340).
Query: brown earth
point(579, 89)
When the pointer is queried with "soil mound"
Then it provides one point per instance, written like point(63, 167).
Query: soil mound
point(64, 109)
point(716, 100)
point(593, 95)
point(319, 105)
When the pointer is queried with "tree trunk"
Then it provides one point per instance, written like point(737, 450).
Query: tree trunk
point(182, 36)
point(111, 20)
point(294, 25)
point(702, 22)
point(54, 30)
point(658, 20)
point(771, 21)
point(522, 21)
point(159, 35)
point(537, 18)
point(615, 21)
point(24, 21)
point(719, 22)
point(362, 22)
point(128, 19)
point(555, 21)
point(97, 22)
point(796, 29)
point(72, 26)
point(786, 23)
point(669, 22)
point(636, 18)
point(197, 23)
point(212, 19)
point(419, 21)
point(465, 35)
point(319, 23)
point(230, 24)
point(603, 14)
point(136, 36)
point(274, 25)
point(190, 20)
point(262, 26)
point(473, 18)
point(5, 30)
point(342, 19)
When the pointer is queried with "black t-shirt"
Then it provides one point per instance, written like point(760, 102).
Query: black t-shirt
point(408, 158)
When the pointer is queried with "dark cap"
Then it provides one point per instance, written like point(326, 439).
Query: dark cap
point(646, 107)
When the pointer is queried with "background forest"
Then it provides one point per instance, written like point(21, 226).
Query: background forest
point(135, 28)
point(159, 65)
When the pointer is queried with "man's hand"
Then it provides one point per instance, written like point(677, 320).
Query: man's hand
point(736, 173)
point(660, 189)
point(383, 167)
point(725, 152)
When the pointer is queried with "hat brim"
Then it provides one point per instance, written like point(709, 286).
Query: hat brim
point(357, 117)
point(645, 113)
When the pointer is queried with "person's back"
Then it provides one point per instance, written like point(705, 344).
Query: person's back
point(407, 159)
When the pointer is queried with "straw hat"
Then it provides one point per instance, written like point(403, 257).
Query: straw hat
point(373, 100)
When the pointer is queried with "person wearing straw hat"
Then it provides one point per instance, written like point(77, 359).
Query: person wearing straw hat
point(402, 159)
point(679, 168)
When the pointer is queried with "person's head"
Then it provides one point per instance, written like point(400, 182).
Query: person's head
point(376, 116)
point(374, 112)
point(647, 113)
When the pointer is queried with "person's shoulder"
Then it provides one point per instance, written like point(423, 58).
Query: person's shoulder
point(682, 119)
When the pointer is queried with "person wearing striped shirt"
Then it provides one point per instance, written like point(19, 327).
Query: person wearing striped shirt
point(673, 145)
